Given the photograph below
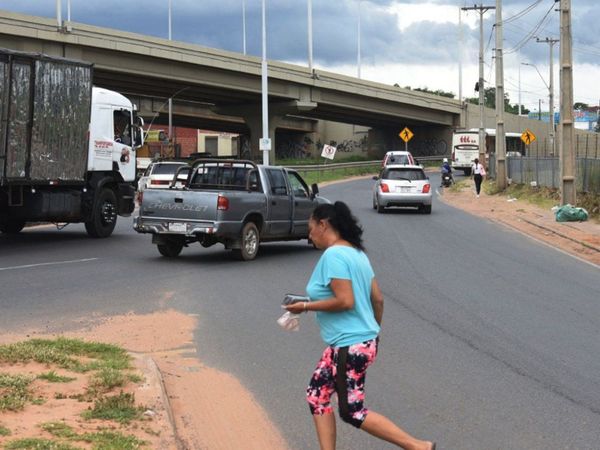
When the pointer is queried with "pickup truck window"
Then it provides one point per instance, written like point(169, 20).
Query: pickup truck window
point(228, 177)
point(299, 188)
point(277, 181)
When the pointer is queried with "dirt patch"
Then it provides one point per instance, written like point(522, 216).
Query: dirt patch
point(581, 239)
point(210, 409)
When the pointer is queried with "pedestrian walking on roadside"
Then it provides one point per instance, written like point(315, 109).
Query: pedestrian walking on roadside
point(478, 172)
point(348, 303)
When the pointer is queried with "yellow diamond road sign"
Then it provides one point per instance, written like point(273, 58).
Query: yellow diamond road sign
point(528, 137)
point(406, 135)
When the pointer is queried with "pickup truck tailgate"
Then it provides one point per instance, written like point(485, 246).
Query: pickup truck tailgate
point(179, 204)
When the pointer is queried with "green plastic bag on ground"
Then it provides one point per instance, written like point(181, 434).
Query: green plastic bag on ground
point(568, 213)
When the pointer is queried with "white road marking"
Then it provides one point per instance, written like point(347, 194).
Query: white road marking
point(28, 266)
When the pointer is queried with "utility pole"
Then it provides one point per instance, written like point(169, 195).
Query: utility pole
point(482, 150)
point(310, 37)
point(59, 13)
point(460, 54)
point(568, 190)
point(551, 43)
point(500, 139)
point(170, 97)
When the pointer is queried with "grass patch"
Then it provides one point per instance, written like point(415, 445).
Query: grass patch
point(108, 378)
point(111, 440)
point(4, 431)
point(120, 408)
point(38, 444)
point(59, 429)
point(65, 353)
point(458, 186)
point(53, 377)
point(338, 174)
point(14, 391)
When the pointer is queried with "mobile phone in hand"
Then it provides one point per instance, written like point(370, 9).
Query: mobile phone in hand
point(290, 299)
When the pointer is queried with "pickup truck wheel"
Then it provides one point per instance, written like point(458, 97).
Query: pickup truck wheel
point(12, 226)
point(170, 249)
point(250, 243)
point(104, 215)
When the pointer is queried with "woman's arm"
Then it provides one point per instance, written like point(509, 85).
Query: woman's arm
point(377, 301)
point(342, 300)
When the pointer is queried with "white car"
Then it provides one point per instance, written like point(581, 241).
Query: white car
point(158, 175)
point(402, 185)
point(398, 157)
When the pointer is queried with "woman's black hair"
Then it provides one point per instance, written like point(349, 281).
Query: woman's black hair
point(341, 219)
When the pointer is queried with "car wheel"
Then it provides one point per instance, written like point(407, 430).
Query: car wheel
point(12, 226)
point(425, 209)
point(250, 242)
point(170, 247)
point(380, 209)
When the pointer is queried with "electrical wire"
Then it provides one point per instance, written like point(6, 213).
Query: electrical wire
point(522, 13)
point(531, 34)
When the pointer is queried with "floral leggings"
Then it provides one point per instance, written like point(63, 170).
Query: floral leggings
point(349, 382)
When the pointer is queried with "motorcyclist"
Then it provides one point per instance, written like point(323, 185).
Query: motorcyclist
point(446, 169)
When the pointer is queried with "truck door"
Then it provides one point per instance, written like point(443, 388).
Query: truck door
point(302, 206)
point(280, 206)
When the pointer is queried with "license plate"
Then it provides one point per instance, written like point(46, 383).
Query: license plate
point(403, 189)
point(178, 227)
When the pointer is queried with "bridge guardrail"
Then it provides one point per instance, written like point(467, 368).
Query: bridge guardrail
point(305, 168)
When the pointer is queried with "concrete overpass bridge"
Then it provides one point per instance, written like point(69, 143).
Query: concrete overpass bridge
point(223, 88)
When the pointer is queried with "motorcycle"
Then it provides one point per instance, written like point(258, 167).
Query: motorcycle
point(447, 180)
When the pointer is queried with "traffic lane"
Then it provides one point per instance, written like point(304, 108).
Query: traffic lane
point(496, 291)
point(450, 387)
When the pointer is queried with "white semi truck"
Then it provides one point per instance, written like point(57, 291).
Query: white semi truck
point(67, 149)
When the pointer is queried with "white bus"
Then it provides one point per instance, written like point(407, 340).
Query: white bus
point(465, 147)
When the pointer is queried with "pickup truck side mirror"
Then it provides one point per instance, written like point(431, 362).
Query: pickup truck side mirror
point(314, 188)
point(375, 177)
point(252, 181)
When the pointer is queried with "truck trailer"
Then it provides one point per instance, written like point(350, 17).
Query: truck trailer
point(67, 148)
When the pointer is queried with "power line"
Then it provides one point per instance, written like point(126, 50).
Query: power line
point(522, 13)
point(531, 34)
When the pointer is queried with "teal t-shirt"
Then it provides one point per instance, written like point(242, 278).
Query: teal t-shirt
point(344, 328)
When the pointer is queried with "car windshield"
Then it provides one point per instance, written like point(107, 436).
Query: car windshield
point(165, 169)
point(403, 174)
point(398, 159)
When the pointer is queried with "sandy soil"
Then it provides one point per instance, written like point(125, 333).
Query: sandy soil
point(210, 409)
point(581, 239)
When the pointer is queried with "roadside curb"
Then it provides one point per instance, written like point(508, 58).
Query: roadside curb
point(578, 241)
point(155, 379)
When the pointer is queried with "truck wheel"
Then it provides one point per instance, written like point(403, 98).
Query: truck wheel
point(12, 226)
point(170, 248)
point(104, 215)
point(250, 243)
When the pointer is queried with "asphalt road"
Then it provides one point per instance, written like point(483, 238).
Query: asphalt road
point(490, 339)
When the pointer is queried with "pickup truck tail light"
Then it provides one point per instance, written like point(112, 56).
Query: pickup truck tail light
point(385, 187)
point(222, 203)
point(426, 188)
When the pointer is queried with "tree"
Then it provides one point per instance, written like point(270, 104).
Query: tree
point(489, 100)
point(581, 106)
point(439, 92)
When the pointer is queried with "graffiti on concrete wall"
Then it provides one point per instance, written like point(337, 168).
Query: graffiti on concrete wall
point(351, 145)
point(290, 147)
point(428, 147)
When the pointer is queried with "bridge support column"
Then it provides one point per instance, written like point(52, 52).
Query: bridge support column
point(254, 122)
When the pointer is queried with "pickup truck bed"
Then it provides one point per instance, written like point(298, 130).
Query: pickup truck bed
point(233, 202)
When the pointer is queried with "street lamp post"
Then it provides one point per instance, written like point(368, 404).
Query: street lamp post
point(310, 37)
point(59, 13)
point(244, 25)
point(358, 42)
point(265, 145)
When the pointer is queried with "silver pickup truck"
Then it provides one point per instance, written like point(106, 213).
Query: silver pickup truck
point(234, 202)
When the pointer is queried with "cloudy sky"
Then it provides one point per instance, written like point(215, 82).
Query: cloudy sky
point(409, 42)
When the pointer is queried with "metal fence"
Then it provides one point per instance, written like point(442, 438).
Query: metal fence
point(584, 146)
point(546, 172)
